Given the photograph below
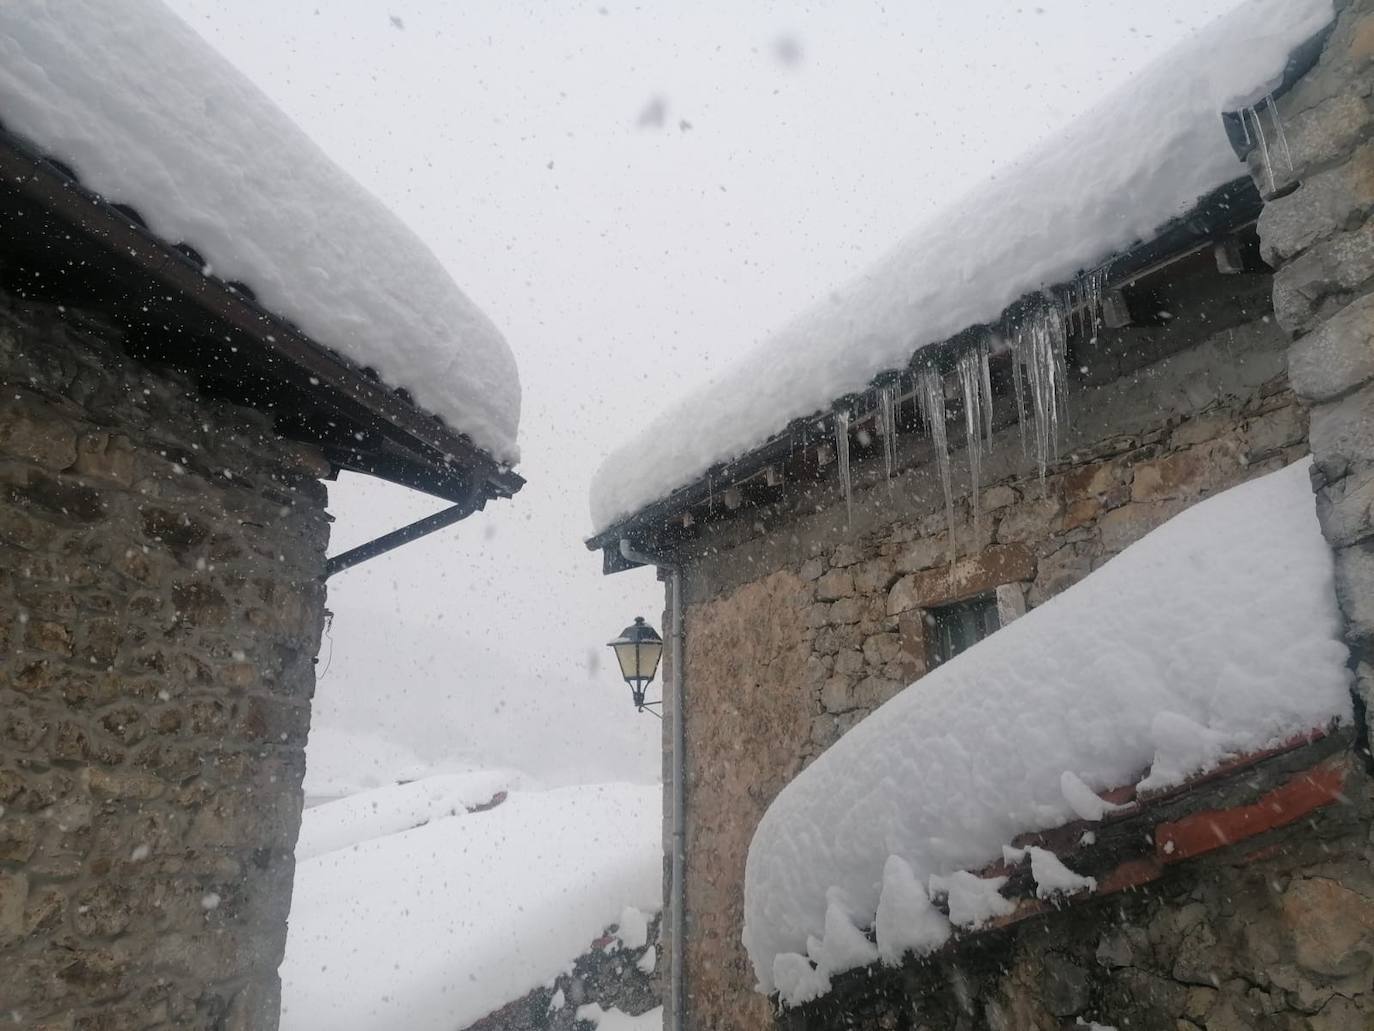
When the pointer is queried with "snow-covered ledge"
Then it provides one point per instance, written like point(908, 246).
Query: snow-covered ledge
point(1216, 636)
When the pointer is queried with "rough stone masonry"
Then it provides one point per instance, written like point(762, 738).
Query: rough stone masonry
point(161, 601)
point(1316, 230)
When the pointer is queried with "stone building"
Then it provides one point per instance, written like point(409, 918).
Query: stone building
point(821, 572)
point(176, 385)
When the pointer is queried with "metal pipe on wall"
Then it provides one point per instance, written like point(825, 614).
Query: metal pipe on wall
point(677, 730)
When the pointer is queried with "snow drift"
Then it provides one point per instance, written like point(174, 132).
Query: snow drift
point(1215, 634)
point(344, 762)
point(434, 926)
point(1145, 154)
point(398, 807)
point(149, 115)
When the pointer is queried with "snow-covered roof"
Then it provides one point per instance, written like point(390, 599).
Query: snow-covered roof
point(1142, 156)
point(1215, 635)
point(150, 116)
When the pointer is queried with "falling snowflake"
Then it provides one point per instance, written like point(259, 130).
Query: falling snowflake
point(655, 113)
point(787, 49)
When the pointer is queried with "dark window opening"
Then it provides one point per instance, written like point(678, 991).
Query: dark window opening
point(955, 628)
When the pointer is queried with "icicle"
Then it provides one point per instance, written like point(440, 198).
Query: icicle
point(1085, 302)
point(984, 354)
point(1060, 351)
point(1101, 292)
point(930, 395)
point(971, 389)
point(1038, 376)
point(887, 414)
point(1041, 343)
point(1089, 313)
point(1083, 305)
point(1019, 384)
point(842, 456)
point(1264, 148)
point(1245, 125)
point(1278, 130)
point(1097, 282)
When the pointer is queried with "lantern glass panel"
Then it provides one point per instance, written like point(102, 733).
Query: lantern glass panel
point(638, 659)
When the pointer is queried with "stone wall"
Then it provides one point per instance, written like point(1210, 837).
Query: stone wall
point(801, 620)
point(746, 716)
point(161, 601)
point(1318, 233)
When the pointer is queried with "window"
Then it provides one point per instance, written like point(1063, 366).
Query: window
point(954, 628)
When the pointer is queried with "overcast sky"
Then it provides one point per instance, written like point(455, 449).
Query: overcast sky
point(633, 192)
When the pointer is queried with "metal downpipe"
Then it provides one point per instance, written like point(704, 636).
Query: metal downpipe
point(677, 730)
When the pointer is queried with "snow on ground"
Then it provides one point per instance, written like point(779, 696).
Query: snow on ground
point(432, 927)
point(1215, 634)
point(150, 115)
point(1142, 155)
point(341, 762)
point(614, 1020)
point(397, 807)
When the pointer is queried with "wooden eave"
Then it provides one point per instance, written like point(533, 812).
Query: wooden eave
point(64, 243)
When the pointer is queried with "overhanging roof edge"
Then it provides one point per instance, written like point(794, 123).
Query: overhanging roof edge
point(1226, 210)
point(306, 364)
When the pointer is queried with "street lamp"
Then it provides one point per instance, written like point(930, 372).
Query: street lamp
point(638, 649)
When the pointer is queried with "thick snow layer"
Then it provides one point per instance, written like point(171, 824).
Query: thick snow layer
point(433, 927)
point(1215, 634)
point(1143, 155)
point(150, 115)
point(399, 807)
